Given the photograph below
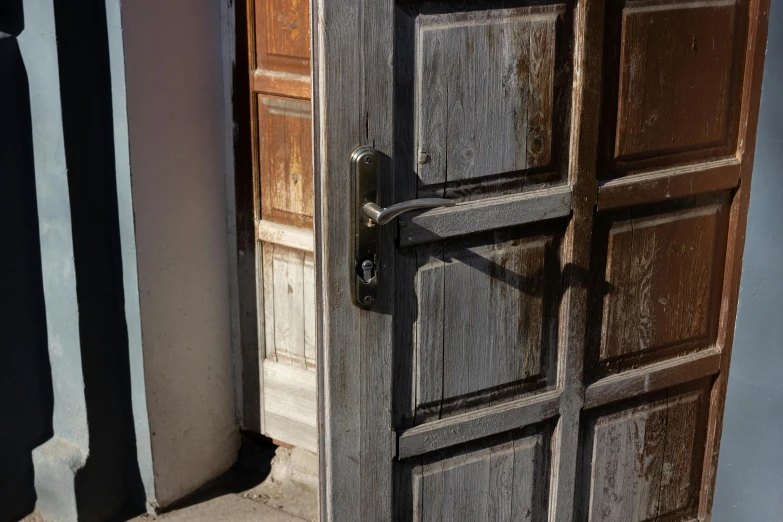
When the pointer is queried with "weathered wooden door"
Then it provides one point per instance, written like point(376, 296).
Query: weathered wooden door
point(283, 354)
point(555, 346)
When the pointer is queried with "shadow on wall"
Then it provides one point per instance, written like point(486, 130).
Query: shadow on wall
point(111, 479)
point(25, 376)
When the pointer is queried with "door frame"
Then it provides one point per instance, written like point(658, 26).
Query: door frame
point(356, 439)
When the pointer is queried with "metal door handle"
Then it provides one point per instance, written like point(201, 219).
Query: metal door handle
point(366, 266)
point(384, 215)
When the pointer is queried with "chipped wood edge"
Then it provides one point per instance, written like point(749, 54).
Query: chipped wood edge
point(275, 82)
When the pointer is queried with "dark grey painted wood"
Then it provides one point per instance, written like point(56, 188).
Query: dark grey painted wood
point(353, 106)
point(485, 81)
point(487, 421)
point(485, 214)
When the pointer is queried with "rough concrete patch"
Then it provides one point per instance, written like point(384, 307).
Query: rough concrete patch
point(292, 485)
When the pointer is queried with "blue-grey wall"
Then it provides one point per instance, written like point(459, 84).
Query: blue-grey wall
point(750, 469)
point(66, 432)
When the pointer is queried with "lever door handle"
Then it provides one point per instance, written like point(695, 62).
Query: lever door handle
point(366, 263)
point(382, 215)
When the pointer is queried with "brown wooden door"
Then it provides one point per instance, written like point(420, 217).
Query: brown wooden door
point(555, 346)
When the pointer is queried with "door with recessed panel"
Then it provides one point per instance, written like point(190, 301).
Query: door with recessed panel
point(278, 302)
point(529, 229)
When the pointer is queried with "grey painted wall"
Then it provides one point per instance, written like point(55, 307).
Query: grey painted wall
point(750, 470)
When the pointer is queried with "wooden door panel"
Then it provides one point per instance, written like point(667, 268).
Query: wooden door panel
point(491, 95)
point(283, 36)
point(643, 461)
point(485, 81)
point(677, 99)
point(285, 165)
point(289, 302)
point(673, 72)
point(660, 292)
point(505, 480)
point(485, 324)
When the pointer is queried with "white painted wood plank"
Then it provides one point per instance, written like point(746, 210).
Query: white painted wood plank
point(269, 301)
point(295, 307)
point(309, 312)
point(282, 329)
point(285, 235)
point(291, 432)
point(290, 405)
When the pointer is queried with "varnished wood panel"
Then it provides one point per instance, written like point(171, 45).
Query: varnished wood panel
point(485, 92)
point(663, 275)
point(482, 314)
point(285, 161)
point(644, 462)
point(283, 35)
point(505, 481)
point(677, 99)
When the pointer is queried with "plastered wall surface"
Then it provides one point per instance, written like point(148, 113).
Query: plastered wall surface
point(173, 82)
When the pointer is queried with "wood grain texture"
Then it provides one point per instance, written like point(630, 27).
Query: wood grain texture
point(285, 151)
point(277, 65)
point(485, 214)
point(575, 264)
point(354, 102)
point(282, 30)
point(289, 307)
point(489, 421)
point(645, 460)
point(490, 300)
point(282, 83)
point(677, 99)
point(291, 237)
point(663, 280)
point(485, 83)
point(638, 451)
point(505, 482)
point(753, 72)
point(668, 183)
point(655, 377)
point(290, 405)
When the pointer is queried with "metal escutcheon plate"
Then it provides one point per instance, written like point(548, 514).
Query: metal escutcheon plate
point(365, 234)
